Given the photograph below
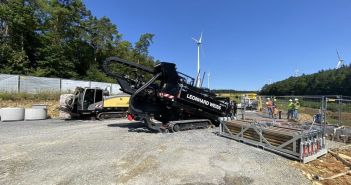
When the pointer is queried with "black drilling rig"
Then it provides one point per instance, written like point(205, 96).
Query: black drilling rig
point(167, 100)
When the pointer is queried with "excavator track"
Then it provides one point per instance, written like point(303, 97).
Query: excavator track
point(175, 126)
point(180, 125)
point(108, 115)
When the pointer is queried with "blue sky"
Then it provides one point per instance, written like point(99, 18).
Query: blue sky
point(246, 43)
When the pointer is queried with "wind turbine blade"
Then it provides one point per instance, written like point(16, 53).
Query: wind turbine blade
point(195, 40)
point(337, 52)
point(338, 65)
point(200, 40)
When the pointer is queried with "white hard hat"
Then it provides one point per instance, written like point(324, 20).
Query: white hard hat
point(296, 99)
point(290, 100)
point(268, 98)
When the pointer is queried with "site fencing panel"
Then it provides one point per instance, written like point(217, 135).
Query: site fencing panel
point(345, 115)
point(115, 89)
point(302, 108)
point(31, 84)
point(338, 110)
point(68, 86)
point(9, 83)
point(106, 86)
point(334, 110)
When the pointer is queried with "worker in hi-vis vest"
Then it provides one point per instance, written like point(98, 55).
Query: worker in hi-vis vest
point(269, 105)
point(291, 108)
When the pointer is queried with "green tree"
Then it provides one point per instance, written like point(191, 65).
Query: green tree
point(141, 50)
point(325, 82)
point(63, 32)
point(103, 36)
point(95, 74)
point(142, 46)
point(18, 37)
point(61, 38)
point(124, 50)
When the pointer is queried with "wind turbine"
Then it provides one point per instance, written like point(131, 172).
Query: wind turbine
point(296, 72)
point(198, 43)
point(340, 62)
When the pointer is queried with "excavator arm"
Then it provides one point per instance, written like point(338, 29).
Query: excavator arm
point(128, 84)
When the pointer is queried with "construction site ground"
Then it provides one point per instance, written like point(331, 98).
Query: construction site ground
point(120, 152)
point(326, 166)
point(123, 152)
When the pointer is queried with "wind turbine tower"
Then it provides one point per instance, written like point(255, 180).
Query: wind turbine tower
point(340, 62)
point(198, 43)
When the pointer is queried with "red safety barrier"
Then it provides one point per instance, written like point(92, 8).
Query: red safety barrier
point(305, 151)
point(130, 117)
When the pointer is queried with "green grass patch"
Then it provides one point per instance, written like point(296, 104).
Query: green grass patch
point(29, 96)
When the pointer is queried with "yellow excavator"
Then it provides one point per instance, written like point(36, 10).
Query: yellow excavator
point(96, 102)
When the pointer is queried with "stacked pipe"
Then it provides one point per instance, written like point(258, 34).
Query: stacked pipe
point(309, 144)
point(298, 143)
point(274, 135)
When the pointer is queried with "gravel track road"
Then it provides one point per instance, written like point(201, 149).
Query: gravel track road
point(122, 152)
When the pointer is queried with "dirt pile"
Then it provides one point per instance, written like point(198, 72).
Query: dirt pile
point(305, 118)
point(328, 166)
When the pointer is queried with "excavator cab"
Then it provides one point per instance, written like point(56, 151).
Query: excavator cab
point(83, 99)
point(90, 97)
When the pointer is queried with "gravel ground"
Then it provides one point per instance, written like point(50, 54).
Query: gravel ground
point(119, 152)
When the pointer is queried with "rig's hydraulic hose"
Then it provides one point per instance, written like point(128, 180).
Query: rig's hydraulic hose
point(132, 108)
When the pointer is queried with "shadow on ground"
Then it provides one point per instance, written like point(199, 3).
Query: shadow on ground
point(132, 126)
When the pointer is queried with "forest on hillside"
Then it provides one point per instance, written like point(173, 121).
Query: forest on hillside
point(325, 82)
point(61, 38)
point(230, 91)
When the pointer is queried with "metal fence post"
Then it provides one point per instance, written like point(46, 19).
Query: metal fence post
point(340, 99)
point(325, 113)
point(60, 85)
point(19, 84)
